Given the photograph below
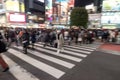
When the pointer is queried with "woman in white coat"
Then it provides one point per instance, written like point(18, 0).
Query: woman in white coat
point(60, 41)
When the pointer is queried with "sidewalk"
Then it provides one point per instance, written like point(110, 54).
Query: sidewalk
point(110, 48)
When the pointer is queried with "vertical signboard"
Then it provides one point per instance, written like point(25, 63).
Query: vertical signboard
point(1, 6)
point(48, 8)
point(21, 6)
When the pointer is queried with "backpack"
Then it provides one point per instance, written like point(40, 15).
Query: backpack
point(3, 47)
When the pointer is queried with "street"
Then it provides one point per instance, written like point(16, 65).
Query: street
point(97, 66)
point(75, 62)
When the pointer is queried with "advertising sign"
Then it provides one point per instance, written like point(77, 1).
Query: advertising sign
point(17, 18)
point(41, 1)
point(14, 5)
point(111, 5)
point(110, 18)
point(62, 0)
point(48, 7)
point(2, 9)
point(71, 3)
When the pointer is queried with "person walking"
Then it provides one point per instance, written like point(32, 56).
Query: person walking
point(80, 38)
point(25, 40)
point(3, 64)
point(3, 49)
point(60, 41)
point(33, 39)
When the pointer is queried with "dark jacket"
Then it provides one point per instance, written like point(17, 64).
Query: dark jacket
point(25, 39)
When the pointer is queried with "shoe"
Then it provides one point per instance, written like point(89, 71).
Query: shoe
point(6, 69)
point(25, 52)
point(58, 51)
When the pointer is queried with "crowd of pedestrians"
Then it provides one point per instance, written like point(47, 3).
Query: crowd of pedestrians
point(54, 38)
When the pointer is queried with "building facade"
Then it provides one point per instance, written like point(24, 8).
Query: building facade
point(21, 13)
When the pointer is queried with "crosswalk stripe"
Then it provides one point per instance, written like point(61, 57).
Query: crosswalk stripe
point(68, 52)
point(17, 71)
point(40, 65)
point(85, 46)
point(49, 58)
point(74, 47)
point(93, 47)
point(81, 51)
point(60, 55)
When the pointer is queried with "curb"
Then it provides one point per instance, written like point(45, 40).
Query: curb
point(110, 51)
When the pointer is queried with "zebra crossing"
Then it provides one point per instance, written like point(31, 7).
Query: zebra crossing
point(44, 63)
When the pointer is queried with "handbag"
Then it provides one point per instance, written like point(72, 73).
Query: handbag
point(79, 39)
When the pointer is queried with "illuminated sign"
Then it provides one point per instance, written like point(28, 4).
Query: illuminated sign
point(111, 5)
point(14, 6)
point(41, 1)
point(71, 3)
point(48, 7)
point(61, 0)
point(16, 18)
point(110, 18)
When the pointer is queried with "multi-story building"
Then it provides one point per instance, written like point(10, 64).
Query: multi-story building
point(61, 11)
point(21, 13)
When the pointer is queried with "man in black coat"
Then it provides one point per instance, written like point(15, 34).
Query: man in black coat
point(25, 40)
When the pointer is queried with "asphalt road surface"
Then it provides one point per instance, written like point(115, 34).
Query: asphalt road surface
point(75, 62)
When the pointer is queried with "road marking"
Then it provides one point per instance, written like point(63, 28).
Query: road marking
point(17, 71)
point(52, 59)
point(60, 55)
point(75, 53)
point(84, 46)
point(79, 48)
point(68, 52)
point(40, 65)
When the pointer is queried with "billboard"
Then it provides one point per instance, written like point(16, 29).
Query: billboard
point(111, 5)
point(14, 5)
point(16, 18)
point(110, 18)
point(71, 3)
